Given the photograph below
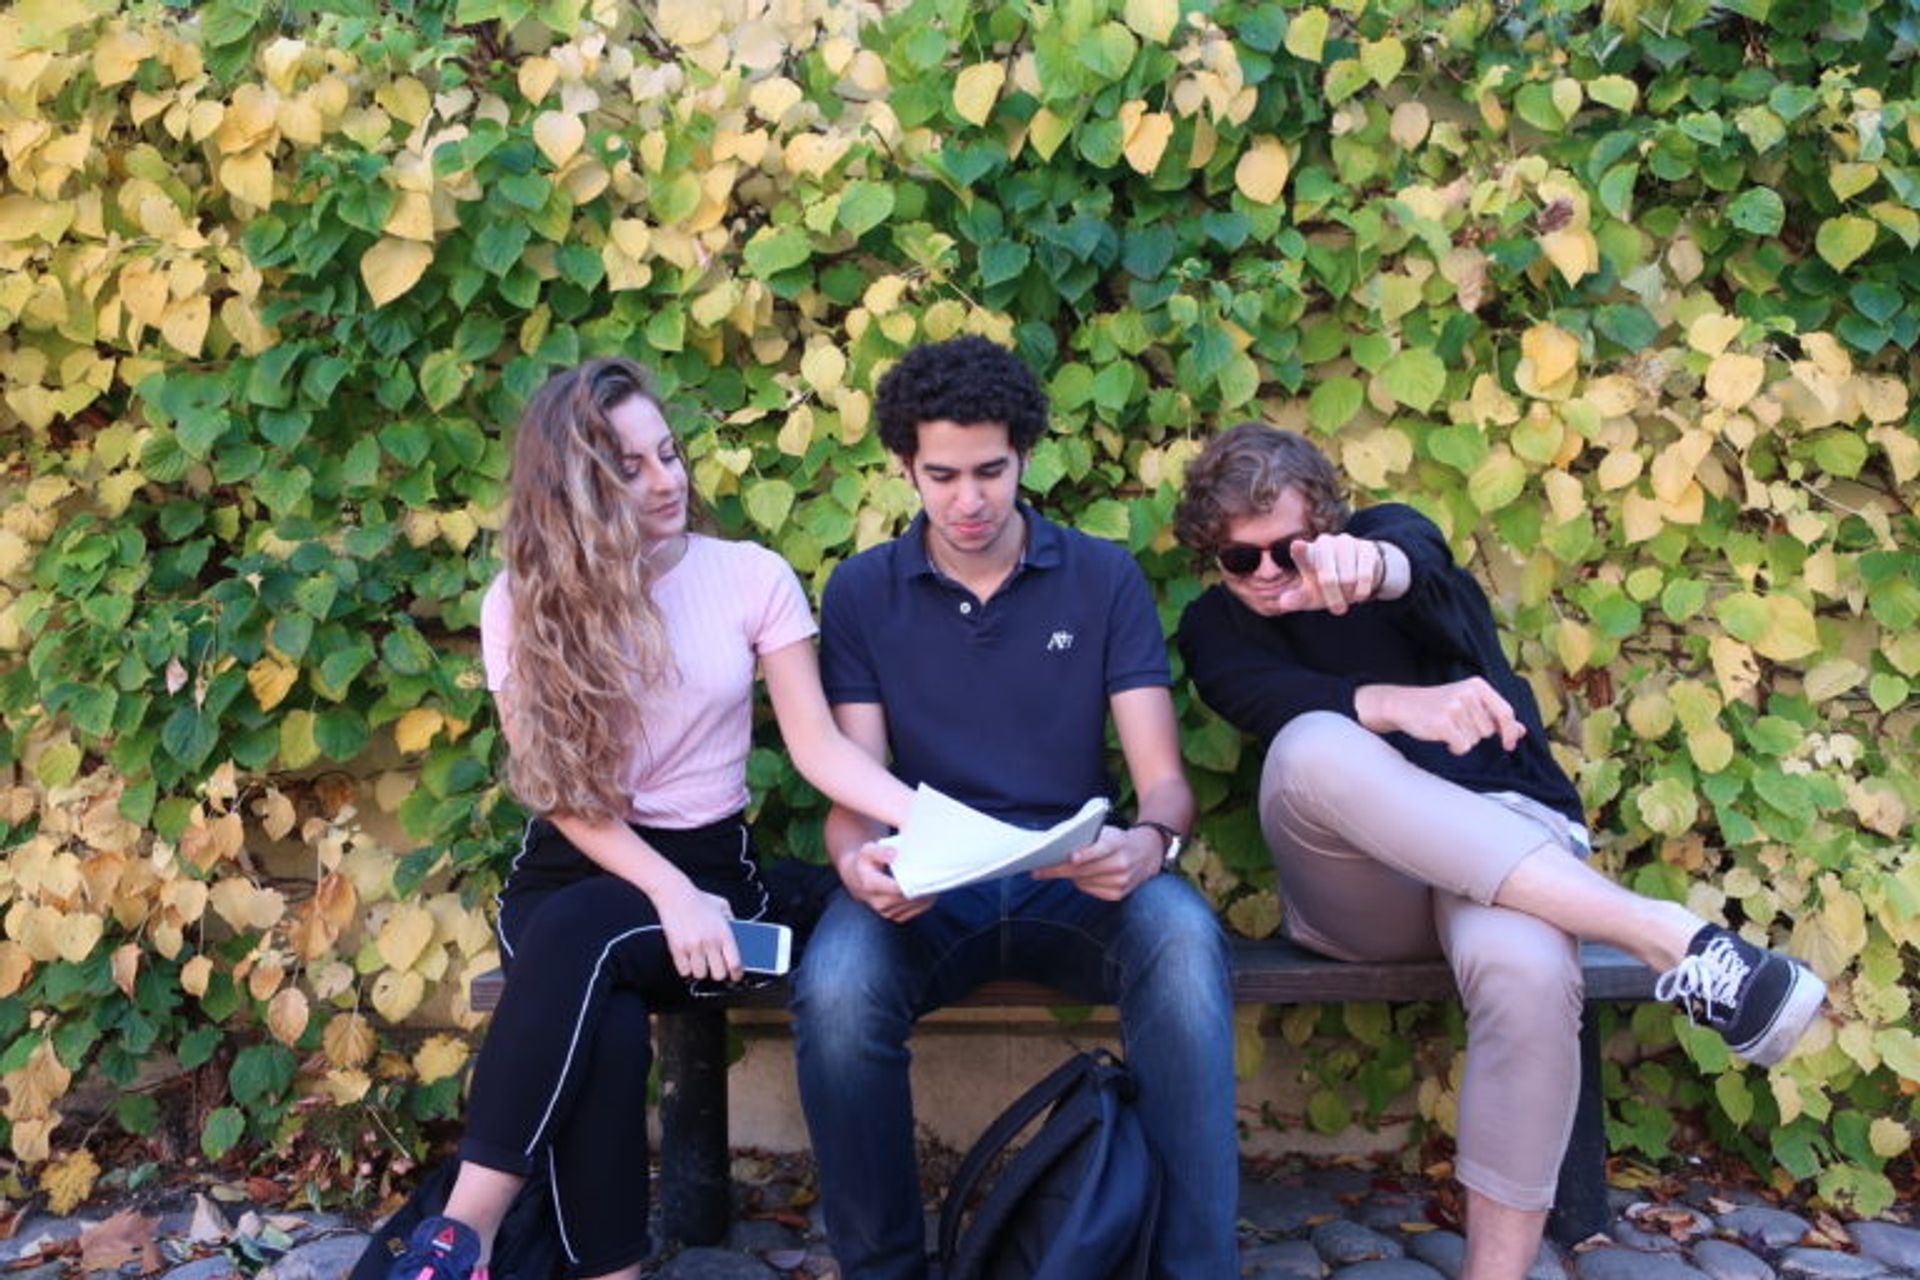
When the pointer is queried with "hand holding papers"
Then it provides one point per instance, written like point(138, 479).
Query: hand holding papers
point(946, 844)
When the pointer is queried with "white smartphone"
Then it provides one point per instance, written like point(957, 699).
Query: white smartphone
point(764, 947)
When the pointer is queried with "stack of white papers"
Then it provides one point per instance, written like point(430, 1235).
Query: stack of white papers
point(946, 844)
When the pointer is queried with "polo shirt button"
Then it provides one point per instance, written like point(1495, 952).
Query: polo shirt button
point(966, 606)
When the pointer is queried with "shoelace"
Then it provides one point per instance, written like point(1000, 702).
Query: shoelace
point(1711, 977)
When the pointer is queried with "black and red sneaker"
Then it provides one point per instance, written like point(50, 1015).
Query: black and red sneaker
point(439, 1249)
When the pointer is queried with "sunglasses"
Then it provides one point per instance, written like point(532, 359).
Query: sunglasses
point(1241, 559)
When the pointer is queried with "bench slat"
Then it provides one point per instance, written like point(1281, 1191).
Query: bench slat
point(1266, 971)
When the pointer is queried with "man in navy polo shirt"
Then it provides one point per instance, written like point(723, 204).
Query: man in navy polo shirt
point(983, 651)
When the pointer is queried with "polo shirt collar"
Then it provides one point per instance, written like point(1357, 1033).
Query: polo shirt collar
point(1044, 547)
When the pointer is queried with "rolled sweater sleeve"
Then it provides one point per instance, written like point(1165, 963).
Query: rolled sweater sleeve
point(1245, 677)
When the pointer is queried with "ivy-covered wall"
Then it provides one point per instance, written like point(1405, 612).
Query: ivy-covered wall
point(1623, 294)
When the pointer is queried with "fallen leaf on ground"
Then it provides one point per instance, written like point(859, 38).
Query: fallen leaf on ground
point(125, 1238)
point(209, 1225)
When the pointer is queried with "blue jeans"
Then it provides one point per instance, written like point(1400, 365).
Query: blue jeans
point(1159, 954)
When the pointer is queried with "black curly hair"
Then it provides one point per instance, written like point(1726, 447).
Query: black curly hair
point(969, 380)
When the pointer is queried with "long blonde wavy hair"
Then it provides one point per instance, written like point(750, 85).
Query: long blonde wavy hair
point(588, 638)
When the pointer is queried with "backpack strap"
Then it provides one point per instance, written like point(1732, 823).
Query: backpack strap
point(1062, 1081)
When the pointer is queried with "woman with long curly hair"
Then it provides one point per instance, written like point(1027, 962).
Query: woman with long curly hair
point(621, 648)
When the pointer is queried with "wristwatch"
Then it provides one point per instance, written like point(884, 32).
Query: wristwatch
point(1175, 841)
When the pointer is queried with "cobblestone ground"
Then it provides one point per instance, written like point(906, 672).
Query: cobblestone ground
point(1298, 1222)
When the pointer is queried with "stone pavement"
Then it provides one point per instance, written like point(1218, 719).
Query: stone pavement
point(1298, 1222)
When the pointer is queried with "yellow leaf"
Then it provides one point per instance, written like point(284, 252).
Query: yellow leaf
point(976, 89)
point(1383, 59)
point(1551, 354)
point(16, 966)
point(77, 934)
point(559, 135)
point(1307, 34)
point(297, 746)
point(406, 933)
point(1888, 1137)
point(185, 324)
point(1573, 645)
point(412, 217)
point(68, 1181)
point(773, 97)
point(275, 812)
point(536, 77)
point(1047, 131)
point(690, 22)
point(397, 994)
point(1733, 379)
point(1262, 172)
point(415, 729)
point(1675, 467)
point(195, 974)
point(392, 267)
point(1146, 135)
point(348, 1040)
point(1411, 121)
point(1881, 399)
point(125, 965)
point(405, 99)
point(1791, 633)
point(271, 679)
point(459, 528)
point(1714, 332)
point(118, 55)
point(824, 367)
point(249, 177)
point(1153, 20)
point(287, 1015)
point(439, 1057)
point(1573, 251)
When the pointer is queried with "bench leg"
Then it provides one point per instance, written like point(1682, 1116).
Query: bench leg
point(1580, 1202)
point(696, 1184)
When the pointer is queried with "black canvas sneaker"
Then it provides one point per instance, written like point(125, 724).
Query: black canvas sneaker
point(1760, 1001)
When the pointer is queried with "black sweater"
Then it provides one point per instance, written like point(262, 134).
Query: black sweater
point(1259, 672)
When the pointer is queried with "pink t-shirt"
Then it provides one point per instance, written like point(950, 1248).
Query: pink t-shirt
point(723, 605)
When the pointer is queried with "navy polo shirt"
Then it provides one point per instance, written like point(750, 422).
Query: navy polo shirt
point(1000, 704)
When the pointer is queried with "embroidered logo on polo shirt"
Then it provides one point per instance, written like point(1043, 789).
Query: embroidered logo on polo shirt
point(1060, 642)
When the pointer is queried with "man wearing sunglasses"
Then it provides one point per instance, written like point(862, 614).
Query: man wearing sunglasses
point(1414, 809)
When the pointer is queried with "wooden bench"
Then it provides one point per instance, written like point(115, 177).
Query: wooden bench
point(695, 1167)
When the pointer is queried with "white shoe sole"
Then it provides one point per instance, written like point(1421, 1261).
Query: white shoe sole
point(1790, 1021)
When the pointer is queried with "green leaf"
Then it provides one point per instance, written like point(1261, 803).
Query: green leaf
point(442, 375)
point(1105, 518)
point(1414, 377)
point(1327, 1111)
point(223, 1130)
point(261, 1073)
point(1307, 34)
point(189, 736)
point(865, 205)
point(776, 249)
point(1334, 402)
point(406, 652)
point(768, 503)
point(1109, 51)
point(1003, 260)
point(1497, 481)
point(1758, 211)
point(340, 732)
point(1842, 240)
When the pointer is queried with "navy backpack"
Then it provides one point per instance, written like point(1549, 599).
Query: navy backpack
point(1079, 1201)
